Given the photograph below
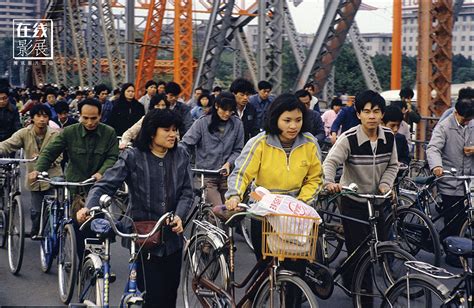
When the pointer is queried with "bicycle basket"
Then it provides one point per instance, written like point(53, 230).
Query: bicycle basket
point(287, 236)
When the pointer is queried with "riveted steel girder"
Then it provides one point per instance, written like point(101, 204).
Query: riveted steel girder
point(183, 46)
point(214, 43)
point(293, 37)
point(94, 42)
point(330, 37)
point(248, 54)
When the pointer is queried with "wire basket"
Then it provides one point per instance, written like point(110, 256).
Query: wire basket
point(287, 236)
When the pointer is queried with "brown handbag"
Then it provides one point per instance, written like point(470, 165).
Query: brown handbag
point(143, 227)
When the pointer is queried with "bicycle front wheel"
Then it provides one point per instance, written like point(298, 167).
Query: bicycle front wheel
point(91, 286)
point(3, 228)
point(67, 266)
point(16, 236)
point(373, 277)
point(288, 291)
point(418, 291)
point(199, 255)
point(47, 245)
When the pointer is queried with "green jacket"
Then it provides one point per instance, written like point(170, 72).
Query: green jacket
point(89, 152)
point(26, 138)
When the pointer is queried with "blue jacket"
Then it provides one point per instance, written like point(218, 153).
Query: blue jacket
point(317, 125)
point(346, 119)
point(261, 107)
point(132, 167)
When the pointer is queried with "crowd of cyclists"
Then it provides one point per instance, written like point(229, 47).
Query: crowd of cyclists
point(255, 138)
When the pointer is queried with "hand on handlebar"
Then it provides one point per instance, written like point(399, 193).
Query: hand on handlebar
point(333, 188)
point(97, 176)
point(226, 169)
point(32, 176)
point(176, 225)
point(82, 215)
point(232, 203)
point(384, 188)
point(438, 171)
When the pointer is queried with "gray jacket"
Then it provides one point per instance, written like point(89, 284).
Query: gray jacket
point(132, 167)
point(446, 150)
point(214, 150)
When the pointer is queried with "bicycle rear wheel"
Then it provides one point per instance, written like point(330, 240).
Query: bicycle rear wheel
point(3, 228)
point(16, 236)
point(91, 286)
point(198, 255)
point(67, 265)
point(288, 291)
point(47, 245)
point(414, 231)
point(418, 291)
point(372, 279)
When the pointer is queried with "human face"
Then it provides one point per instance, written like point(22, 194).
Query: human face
point(264, 93)
point(161, 105)
point(394, 126)
point(197, 93)
point(337, 108)
point(204, 102)
point(90, 117)
point(151, 90)
point(51, 99)
point(90, 94)
point(129, 93)
point(172, 98)
point(62, 117)
point(161, 89)
point(103, 96)
point(40, 121)
point(290, 123)
point(306, 100)
point(370, 117)
point(462, 120)
point(241, 99)
point(310, 90)
point(164, 138)
point(223, 114)
point(3, 100)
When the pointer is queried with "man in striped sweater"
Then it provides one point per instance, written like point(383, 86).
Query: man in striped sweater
point(368, 154)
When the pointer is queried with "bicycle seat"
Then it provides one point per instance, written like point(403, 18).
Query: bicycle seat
point(424, 180)
point(224, 214)
point(459, 246)
point(102, 228)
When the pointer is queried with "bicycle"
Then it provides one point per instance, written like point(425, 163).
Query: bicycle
point(409, 226)
point(378, 262)
point(12, 221)
point(209, 278)
point(424, 289)
point(57, 234)
point(95, 275)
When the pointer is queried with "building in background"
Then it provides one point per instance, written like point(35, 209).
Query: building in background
point(18, 9)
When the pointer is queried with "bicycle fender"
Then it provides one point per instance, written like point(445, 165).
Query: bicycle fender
point(430, 280)
point(213, 237)
point(95, 260)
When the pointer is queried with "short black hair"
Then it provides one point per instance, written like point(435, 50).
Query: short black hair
point(217, 89)
point(116, 91)
point(241, 85)
point(392, 114)
point(161, 83)
point(465, 107)
point(5, 90)
point(40, 109)
point(406, 93)
point(309, 85)
point(209, 97)
point(101, 88)
point(264, 85)
point(336, 102)
point(150, 83)
point(198, 88)
point(50, 90)
point(369, 96)
point(466, 93)
point(302, 93)
point(153, 120)
point(61, 107)
point(226, 101)
point(172, 88)
point(399, 104)
point(156, 99)
point(124, 88)
point(90, 102)
point(285, 102)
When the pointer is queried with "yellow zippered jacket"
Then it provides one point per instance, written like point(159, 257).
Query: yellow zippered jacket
point(264, 160)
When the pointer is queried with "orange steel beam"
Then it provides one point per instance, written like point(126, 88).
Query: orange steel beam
point(183, 46)
point(396, 76)
point(149, 50)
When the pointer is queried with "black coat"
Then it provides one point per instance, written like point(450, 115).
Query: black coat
point(124, 114)
point(249, 120)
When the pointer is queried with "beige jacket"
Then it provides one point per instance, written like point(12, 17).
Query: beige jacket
point(25, 138)
point(132, 133)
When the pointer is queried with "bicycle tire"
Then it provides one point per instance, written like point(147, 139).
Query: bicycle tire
point(246, 231)
point(16, 236)
point(335, 243)
point(89, 280)
point(282, 282)
point(415, 232)
point(67, 263)
point(46, 246)
point(3, 228)
point(206, 214)
point(200, 247)
point(386, 257)
point(427, 292)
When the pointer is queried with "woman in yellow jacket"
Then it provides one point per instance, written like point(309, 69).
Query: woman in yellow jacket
point(285, 159)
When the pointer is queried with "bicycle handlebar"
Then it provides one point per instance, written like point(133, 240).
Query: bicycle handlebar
point(352, 189)
point(18, 160)
point(43, 177)
point(209, 172)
